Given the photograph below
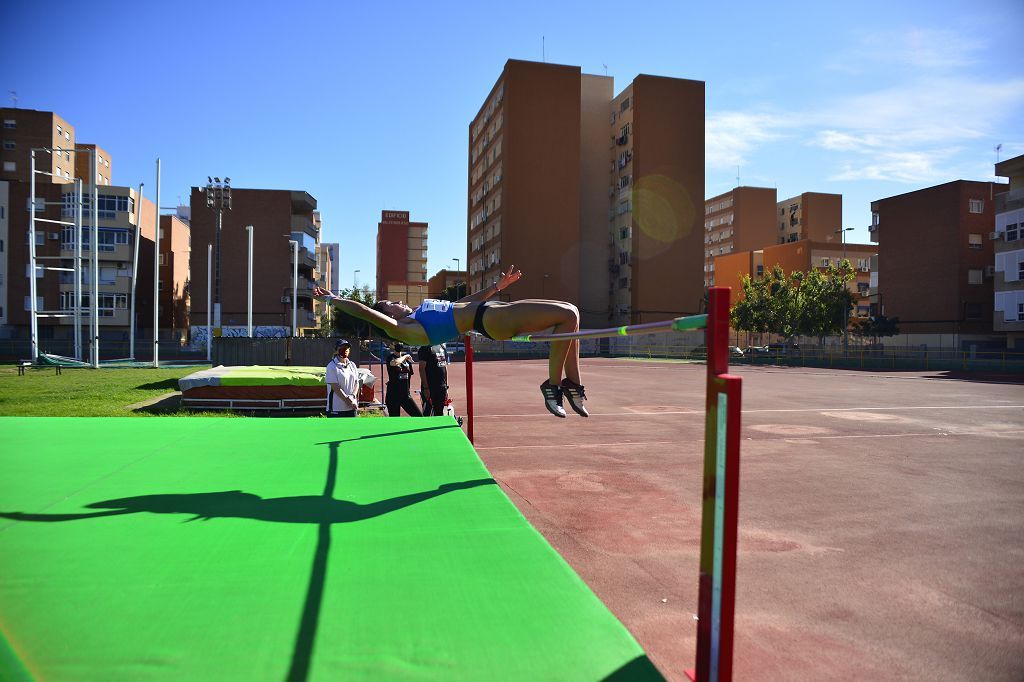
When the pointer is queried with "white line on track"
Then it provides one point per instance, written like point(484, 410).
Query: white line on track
point(932, 434)
point(801, 409)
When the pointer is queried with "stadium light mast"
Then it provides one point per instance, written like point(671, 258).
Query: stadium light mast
point(218, 198)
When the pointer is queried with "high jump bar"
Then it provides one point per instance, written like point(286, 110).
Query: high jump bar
point(675, 325)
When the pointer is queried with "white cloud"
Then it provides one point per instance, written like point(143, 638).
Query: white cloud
point(731, 136)
point(915, 48)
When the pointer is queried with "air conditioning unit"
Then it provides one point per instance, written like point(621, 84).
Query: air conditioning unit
point(990, 271)
point(993, 235)
point(865, 269)
point(55, 236)
point(286, 299)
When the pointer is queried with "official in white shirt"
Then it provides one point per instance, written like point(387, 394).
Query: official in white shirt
point(342, 381)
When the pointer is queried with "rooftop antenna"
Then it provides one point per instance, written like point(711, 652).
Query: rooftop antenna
point(999, 148)
point(605, 69)
point(14, 98)
point(543, 53)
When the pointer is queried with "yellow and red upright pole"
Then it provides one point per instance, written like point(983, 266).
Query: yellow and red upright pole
point(720, 505)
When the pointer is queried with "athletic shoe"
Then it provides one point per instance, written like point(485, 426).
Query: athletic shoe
point(553, 399)
point(576, 396)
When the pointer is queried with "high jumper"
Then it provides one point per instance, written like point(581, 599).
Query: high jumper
point(435, 321)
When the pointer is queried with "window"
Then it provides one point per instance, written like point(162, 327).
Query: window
point(975, 205)
point(67, 155)
point(10, 166)
point(67, 135)
point(974, 241)
point(60, 131)
point(972, 310)
point(974, 276)
point(824, 262)
point(9, 144)
point(10, 123)
point(39, 270)
point(625, 105)
point(1020, 268)
point(108, 275)
point(1012, 233)
point(1020, 312)
point(40, 237)
point(39, 303)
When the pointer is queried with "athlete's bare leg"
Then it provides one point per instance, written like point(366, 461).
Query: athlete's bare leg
point(533, 315)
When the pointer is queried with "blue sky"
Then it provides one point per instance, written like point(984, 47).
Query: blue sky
point(366, 105)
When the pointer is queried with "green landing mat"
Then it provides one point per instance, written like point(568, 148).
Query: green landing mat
point(280, 549)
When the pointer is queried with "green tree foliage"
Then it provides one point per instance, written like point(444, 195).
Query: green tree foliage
point(814, 303)
point(453, 292)
point(343, 324)
point(875, 328)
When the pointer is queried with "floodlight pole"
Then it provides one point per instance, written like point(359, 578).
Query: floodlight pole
point(135, 271)
point(295, 285)
point(78, 268)
point(94, 301)
point(248, 229)
point(209, 296)
point(156, 271)
point(34, 321)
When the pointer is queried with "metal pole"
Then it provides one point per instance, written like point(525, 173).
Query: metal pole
point(209, 297)
point(156, 271)
point(295, 285)
point(216, 275)
point(34, 321)
point(249, 230)
point(78, 268)
point(135, 270)
point(95, 269)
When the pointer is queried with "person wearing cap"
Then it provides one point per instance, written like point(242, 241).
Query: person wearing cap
point(342, 381)
point(399, 393)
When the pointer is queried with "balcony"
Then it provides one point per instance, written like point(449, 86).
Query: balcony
point(303, 202)
point(301, 223)
point(873, 233)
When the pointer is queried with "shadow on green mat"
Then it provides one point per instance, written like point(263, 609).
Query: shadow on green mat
point(640, 668)
point(235, 504)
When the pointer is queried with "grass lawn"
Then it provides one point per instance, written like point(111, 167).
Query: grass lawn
point(85, 392)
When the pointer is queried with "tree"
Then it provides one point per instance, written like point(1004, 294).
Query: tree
point(344, 324)
point(876, 327)
point(453, 292)
point(814, 303)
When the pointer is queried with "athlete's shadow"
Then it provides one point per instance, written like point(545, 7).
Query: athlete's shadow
point(236, 504)
point(321, 510)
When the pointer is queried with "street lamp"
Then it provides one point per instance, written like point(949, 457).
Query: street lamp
point(842, 235)
point(295, 285)
point(846, 312)
point(355, 279)
point(457, 263)
point(218, 198)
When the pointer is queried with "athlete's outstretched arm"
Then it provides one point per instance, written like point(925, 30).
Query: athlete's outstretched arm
point(356, 309)
point(506, 280)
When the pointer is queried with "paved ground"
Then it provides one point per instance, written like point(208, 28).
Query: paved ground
point(881, 514)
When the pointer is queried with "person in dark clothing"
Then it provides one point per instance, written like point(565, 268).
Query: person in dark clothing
point(433, 378)
point(399, 393)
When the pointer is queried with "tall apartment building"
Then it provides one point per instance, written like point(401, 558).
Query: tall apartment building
point(594, 196)
point(401, 258)
point(271, 212)
point(175, 241)
point(935, 260)
point(1009, 254)
point(742, 219)
point(811, 215)
point(329, 264)
point(120, 214)
point(25, 129)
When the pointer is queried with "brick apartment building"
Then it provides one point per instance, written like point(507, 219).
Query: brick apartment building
point(277, 216)
point(800, 256)
point(444, 279)
point(1008, 282)
point(935, 259)
point(742, 219)
point(120, 212)
point(328, 258)
point(401, 258)
point(594, 196)
point(811, 215)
